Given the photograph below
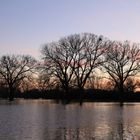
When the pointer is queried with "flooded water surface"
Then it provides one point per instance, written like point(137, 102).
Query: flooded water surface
point(50, 120)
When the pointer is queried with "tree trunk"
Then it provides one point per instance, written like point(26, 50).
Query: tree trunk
point(81, 90)
point(65, 87)
point(11, 93)
point(121, 92)
point(121, 88)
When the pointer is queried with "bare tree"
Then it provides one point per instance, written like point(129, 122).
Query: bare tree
point(73, 58)
point(96, 82)
point(60, 56)
point(122, 61)
point(46, 82)
point(14, 69)
point(131, 84)
point(89, 57)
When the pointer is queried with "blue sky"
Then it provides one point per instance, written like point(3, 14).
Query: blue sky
point(25, 25)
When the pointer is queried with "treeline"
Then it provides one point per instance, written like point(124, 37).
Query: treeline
point(73, 63)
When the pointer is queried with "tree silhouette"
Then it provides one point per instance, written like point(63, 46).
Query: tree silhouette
point(122, 61)
point(58, 60)
point(14, 69)
point(73, 58)
point(88, 57)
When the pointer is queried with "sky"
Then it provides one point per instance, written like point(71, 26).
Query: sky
point(26, 25)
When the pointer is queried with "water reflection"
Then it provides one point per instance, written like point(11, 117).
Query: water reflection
point(49, 120)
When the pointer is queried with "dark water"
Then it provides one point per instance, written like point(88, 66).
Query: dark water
point(48, 120)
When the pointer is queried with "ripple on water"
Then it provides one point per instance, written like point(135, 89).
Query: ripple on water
point(48, 120)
